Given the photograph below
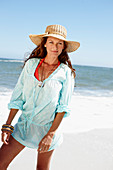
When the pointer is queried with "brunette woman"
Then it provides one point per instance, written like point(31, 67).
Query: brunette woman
point(43, 93)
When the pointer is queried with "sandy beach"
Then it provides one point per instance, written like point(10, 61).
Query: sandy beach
point(92, 150)
point(88, 137)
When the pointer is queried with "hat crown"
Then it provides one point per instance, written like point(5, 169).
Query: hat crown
point(56, 29)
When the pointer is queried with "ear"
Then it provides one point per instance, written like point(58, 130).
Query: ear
point(44, 45)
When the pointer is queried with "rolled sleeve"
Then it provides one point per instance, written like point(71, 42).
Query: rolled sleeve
point(66, 94)
point(16, 101)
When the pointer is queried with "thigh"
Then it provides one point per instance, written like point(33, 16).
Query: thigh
point(44, 159)
point(9, 152)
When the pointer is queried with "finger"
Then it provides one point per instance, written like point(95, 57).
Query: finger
point(40, 149)
point(8, 136)
point(44, 149)
point(40, 146)
point(3, 138)
point(47, 147)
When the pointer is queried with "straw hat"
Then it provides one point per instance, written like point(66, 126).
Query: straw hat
point(57, 31)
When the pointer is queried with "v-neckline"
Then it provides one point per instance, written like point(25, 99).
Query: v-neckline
point(49, 75)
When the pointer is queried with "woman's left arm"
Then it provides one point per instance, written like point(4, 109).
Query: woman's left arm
point(45, 143)
point(62, 110)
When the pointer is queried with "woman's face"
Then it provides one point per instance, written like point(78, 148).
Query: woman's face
point(54, 46)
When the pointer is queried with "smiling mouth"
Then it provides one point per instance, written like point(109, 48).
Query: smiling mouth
point(55, 51)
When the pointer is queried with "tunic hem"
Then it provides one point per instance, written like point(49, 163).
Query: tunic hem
point(51, 148)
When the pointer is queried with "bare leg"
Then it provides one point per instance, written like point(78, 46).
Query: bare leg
point(9, 152)
point(43, 162)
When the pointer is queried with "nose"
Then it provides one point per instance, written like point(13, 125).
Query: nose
point(55, 47)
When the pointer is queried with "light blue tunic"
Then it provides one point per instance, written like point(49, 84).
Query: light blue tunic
point(39, 105)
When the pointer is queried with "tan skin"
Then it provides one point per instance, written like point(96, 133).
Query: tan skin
point(11, 148)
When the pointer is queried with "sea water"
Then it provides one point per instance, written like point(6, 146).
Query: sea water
point(92, 100)
point(89, 80)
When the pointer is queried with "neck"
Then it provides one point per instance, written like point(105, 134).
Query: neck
point(51, 60)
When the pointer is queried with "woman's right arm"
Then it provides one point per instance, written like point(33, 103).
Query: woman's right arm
point(11, 116)
point(6, 134)
point(16, 102)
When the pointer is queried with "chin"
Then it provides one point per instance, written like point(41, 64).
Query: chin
point(55, 54)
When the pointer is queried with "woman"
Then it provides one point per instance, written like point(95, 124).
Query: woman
point(43, 93)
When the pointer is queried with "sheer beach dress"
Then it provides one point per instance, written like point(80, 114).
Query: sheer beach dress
point(40, 104)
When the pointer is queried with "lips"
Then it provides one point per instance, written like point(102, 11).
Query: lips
point(55, 51)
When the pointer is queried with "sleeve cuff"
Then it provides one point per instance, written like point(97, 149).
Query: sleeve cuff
point(63, 108)
point(15, 105)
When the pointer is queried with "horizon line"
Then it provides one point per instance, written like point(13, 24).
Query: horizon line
point(72, 64)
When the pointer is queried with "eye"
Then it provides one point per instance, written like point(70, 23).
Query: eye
point(60, 43)
point(50, 42)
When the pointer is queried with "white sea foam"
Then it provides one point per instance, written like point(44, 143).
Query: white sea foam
point(12, 60)
point(97, 93)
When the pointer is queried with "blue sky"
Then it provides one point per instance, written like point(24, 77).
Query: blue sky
point(89, 22)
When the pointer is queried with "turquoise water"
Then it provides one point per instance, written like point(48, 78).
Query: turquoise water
point(89, 80)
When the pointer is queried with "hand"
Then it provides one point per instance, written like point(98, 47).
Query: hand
point(45, 143)
point(5, 137)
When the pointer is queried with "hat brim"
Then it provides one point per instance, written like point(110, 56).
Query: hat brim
point(71, 45)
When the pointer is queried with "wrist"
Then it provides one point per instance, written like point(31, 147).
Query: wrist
point(51, 134)
point(8, 122)
point(8, 128)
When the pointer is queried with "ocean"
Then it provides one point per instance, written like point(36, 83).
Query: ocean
point(90, 80)
point(92, 100)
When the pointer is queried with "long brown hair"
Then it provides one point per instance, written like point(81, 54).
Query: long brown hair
point(40, 52)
